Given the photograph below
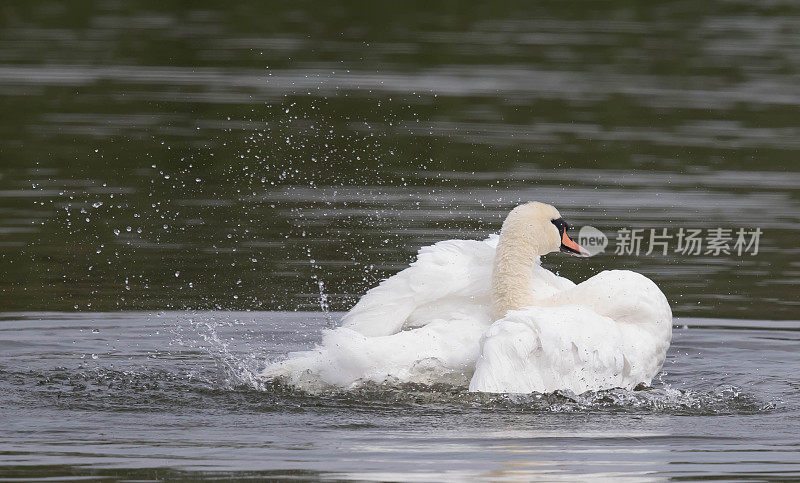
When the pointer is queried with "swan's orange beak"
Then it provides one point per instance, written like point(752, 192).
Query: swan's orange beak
point(569, 246)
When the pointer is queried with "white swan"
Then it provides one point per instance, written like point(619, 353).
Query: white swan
point(488, 314)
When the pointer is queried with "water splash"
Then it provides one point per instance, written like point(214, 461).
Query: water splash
point(324, 304)
point(239, 358)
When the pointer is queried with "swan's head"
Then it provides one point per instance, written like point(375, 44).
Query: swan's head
point(540, 227)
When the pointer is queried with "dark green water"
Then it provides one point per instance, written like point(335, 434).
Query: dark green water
point(232, 146)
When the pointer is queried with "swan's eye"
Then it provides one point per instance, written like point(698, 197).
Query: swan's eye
point(562, 225)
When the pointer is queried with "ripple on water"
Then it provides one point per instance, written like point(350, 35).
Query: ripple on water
point(723, 399)
point(161, 390)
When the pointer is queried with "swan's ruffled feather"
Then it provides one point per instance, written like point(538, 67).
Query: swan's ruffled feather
point(543, 349)
point(457, 271)
point(431, 323)
point(442, 351)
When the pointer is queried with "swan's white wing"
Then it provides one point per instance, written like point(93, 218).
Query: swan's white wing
point(623, 296)
point(579, 347)
point(451, 277)
point(423, 324)
point(545, 283)
point(543, 349)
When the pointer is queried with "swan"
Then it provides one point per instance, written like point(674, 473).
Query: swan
point(486, 314)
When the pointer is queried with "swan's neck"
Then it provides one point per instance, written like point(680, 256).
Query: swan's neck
point(512, 277)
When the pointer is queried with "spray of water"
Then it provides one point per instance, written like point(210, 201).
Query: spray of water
point(238, 356)
point(324, 305)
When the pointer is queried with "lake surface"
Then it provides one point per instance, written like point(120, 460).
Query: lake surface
point(208, 160)
point(141, 396)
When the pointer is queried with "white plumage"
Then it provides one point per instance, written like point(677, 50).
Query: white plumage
point(434, 322)
point(613, 330)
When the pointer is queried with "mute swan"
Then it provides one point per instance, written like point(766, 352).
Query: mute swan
point(487, 314)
